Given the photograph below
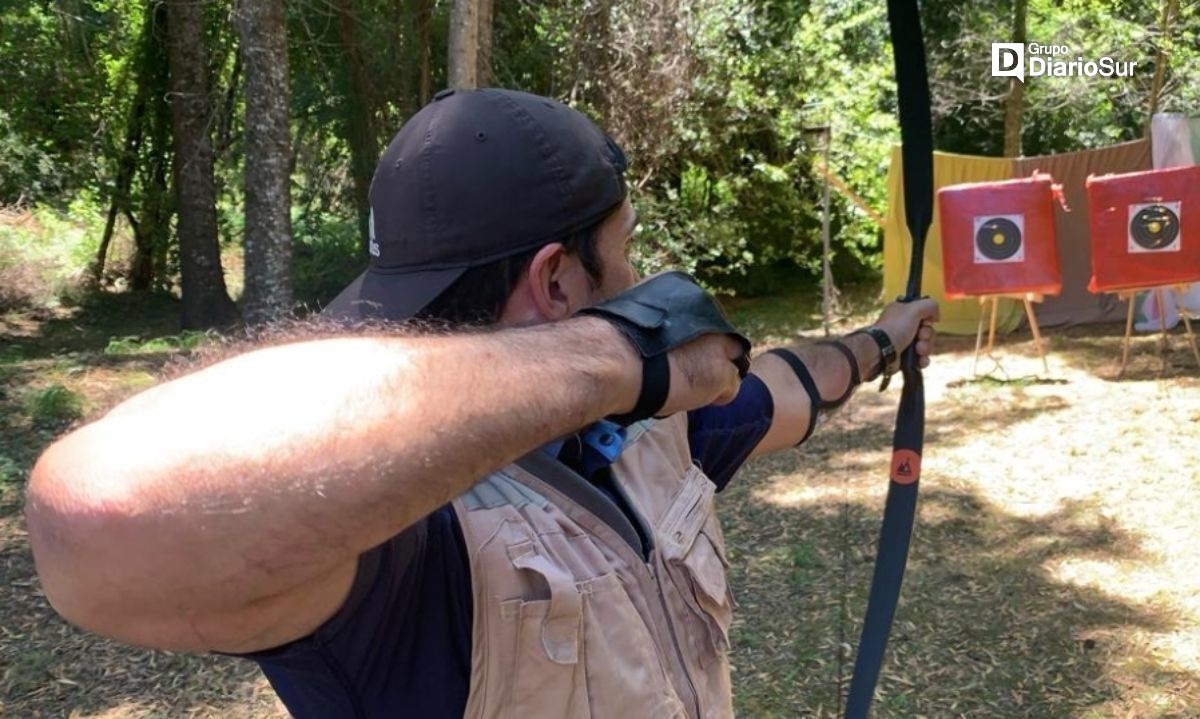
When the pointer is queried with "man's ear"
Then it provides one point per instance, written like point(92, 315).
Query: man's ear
point(557, 283)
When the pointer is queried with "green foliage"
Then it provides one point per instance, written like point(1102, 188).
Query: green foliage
point(133, 345)
point(10, 471)
point(54, 405)
point(43, 252)
point(329, 254)
point(710, 98)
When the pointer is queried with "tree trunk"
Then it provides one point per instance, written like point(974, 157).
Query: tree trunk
point(1170, 7)
point(206, 301)
point(127, 159)
point(360, 115)
point(424, 21)
point(463, 58)
point(152, 233)
point(268, 227)
point(484, 74)
point(1015, 105)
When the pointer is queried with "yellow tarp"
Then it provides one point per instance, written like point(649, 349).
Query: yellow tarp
point(958, 316)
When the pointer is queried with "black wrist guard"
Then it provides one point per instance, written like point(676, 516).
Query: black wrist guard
point(657, 315)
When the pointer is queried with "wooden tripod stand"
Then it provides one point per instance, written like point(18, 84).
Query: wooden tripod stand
point(1160, 294)
point(1028, 298)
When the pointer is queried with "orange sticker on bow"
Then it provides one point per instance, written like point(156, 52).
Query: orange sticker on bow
point(906, 466)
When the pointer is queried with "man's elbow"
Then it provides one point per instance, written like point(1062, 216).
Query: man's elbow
point(75, 533)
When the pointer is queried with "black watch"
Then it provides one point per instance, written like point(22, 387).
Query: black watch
point(887, 351)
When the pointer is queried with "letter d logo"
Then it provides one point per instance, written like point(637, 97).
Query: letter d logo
point(1008, 60)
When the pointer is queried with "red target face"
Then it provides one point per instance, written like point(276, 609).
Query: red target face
point(1143, 229)
point(999, 237)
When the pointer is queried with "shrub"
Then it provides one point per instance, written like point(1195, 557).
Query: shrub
point(54, 405)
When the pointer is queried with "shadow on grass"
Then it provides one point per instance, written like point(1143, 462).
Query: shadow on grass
point(50, 669)
point(983, 629)
point(1097, 348)
point(88, 328)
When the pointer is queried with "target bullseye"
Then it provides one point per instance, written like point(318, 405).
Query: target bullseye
point(998, 239)
point(1154, 227)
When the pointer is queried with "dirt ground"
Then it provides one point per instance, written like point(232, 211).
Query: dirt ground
point(1053, 572)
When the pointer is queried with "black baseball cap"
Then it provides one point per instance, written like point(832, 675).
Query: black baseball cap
point(475, 176)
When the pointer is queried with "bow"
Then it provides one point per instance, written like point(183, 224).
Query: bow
point(916, 134)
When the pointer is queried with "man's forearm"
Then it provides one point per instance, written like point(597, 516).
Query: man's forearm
point(830, 372)
point(259, 473)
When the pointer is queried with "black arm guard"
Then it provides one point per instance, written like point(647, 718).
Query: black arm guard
point(657, 315)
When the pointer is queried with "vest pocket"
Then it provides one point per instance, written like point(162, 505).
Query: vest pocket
point(584, 652)
point(548, 678)
point(693, 553)
point(705, 569)
point(625, 675)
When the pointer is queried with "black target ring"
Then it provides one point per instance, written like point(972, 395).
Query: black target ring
point(998, 238)
point(1154, 227)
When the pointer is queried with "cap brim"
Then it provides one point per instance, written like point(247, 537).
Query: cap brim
point(375, 295)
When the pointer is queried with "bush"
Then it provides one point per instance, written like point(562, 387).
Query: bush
point(329, 254)
point(54, 405)
point(44, 253)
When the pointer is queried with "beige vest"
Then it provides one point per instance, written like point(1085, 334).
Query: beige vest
point(570, 622)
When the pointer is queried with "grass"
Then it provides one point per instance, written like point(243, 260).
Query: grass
point(137, 345)
point(1052, 573)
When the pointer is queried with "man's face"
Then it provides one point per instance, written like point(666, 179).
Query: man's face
point(557, 285)
point(613, 245)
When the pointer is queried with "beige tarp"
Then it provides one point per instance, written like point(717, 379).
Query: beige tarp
point(1076, 305)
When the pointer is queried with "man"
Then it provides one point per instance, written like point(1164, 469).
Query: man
point(480, 523)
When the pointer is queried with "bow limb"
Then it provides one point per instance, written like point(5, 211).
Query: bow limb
point(895, 535)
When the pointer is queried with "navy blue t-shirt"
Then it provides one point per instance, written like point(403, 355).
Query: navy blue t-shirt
point(400, 646)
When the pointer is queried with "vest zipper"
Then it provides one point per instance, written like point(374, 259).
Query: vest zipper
point(662, 602)
point(649, 562)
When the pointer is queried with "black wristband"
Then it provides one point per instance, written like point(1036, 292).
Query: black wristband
point(656, 385)
point(887, 351)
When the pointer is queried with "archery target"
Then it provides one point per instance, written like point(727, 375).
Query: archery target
point(1144, 230)
point(1154, 227)
point(999, 238)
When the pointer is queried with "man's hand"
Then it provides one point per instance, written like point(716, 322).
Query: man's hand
point(670, 314)
point(703, 373)
point(905, 321)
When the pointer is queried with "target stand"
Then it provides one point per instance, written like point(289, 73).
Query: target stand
point(999, 242)
point(1164, 336)
point(1028, 298)
point(1145, 238)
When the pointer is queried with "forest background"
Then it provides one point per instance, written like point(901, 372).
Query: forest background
point(221, 151)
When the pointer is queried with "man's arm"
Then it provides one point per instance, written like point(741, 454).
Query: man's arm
point(225, 510)
point(904, 323)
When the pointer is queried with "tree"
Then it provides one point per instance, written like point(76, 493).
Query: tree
point(206, 301)
point(362, 129)
point(463, 57)
point(268, 227)
point(1016, 93)
point(422, 20)
point(483, 62)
